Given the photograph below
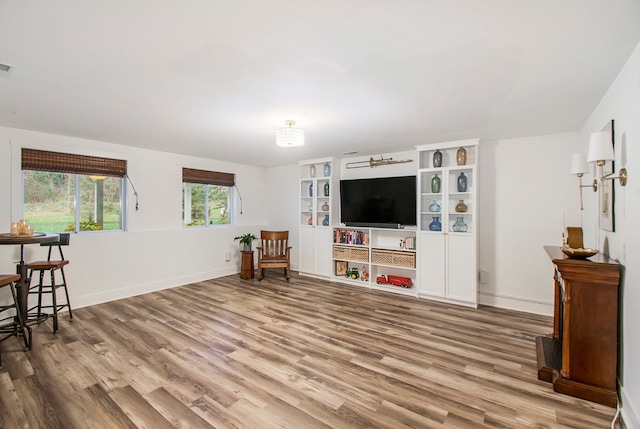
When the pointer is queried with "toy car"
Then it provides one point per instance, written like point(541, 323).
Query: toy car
point(352, 273)
point(394, 280)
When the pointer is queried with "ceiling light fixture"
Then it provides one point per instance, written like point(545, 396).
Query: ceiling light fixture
point(289, 136)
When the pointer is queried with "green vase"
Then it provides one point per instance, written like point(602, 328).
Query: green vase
point(435, 184)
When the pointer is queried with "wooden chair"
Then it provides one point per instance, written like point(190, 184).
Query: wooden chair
point(274, 252)
point(52, 266)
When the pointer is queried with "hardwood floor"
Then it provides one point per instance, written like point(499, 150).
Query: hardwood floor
point(231, 353)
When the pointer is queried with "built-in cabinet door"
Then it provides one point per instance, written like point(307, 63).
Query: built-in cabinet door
point(462, 268)
point(307, 249)
point(432, 264)
point(323, 242)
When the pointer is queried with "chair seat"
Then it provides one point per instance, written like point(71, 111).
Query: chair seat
point(47, 265)
point(274, 252)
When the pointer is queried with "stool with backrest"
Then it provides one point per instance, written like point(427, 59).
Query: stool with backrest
point(52, 266)
point(13, 323)
point(274, 252)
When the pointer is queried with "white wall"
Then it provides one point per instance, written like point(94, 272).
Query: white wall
point(622, 103)
point(156, 252)
point(283, 205)
point(525, 185)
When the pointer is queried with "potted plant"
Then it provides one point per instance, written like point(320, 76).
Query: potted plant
point(246, 240)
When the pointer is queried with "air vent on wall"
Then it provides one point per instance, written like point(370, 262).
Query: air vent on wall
point(5, 67)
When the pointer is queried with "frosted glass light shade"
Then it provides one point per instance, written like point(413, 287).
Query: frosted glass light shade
point(579, 164)
point(289, 136)
point(600, 147)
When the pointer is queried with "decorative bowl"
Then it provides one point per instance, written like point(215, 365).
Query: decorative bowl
point(578, 253)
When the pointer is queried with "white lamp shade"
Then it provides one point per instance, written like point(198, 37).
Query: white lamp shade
point(600, 147)
point(289, 136)
point(579, 164)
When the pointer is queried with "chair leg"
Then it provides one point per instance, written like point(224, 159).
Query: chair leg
point(54, 301)
point(260, 273)
point(287, 274)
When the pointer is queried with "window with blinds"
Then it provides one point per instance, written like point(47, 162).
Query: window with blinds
point(207, 197)
point(69, 192)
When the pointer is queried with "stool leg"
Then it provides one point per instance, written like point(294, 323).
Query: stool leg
point(66, 293)
point(54, 301)
point(26, 330)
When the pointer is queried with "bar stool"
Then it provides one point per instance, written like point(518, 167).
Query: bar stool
point(17, 325)
point(40, 289)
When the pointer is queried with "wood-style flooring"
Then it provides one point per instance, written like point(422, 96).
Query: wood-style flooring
point(231, 353)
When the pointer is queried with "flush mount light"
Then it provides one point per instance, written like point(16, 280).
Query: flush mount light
point(289, 136)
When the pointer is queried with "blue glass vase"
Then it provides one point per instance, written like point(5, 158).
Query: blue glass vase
point(311, 189)
point(434, 206)
point(459, 226)
point(435, 224)
point(462, 183)
point(326, 169)
point(325, 221)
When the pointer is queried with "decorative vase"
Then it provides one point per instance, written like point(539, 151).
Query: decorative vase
point(434, 206)
point(459, 226)
point(326, 189)
point(461, 156)
point(309, 206)
point(325, 207)
point(435, 184)
point(437, 159)
point(311, 189)
point(310, 220)
point(326, 169)
point(325, 221)
point(461, 207)
point(246, 247)
point(462, 183)
point(312, 170)
point(435, 224)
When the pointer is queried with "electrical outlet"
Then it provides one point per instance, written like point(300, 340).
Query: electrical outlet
point(227, 255)
point(624, 251)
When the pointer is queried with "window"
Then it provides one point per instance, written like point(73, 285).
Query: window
point(206, 197)
point(65, 192)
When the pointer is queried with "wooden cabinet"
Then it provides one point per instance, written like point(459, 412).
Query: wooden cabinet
point(580, 356)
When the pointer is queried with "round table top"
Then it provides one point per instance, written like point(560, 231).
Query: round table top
point(37, 237)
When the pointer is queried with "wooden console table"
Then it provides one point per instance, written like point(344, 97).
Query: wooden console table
point(580, 357)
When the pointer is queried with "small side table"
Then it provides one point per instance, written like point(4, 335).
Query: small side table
point(246, 269)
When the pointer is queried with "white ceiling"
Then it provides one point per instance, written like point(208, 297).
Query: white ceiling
point(215, 78)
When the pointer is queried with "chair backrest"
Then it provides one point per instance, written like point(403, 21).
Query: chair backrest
point(274, 243)
point(63, 240)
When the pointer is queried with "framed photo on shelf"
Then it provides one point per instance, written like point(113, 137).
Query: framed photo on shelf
point(606, 218)
point(341, 268)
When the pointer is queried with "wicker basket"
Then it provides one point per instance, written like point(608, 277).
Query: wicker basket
point(393, 258)
point(347, 253)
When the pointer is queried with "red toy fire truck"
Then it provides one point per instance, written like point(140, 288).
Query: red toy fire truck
point(394, 280)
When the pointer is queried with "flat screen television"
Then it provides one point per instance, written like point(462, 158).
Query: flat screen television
point(385, 202)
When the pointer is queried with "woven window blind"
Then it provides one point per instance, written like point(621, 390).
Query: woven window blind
point(205, 177)
point(42, 160)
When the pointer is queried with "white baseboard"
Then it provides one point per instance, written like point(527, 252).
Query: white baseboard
point(628, 413)
point(139, 289)
point(515, 303)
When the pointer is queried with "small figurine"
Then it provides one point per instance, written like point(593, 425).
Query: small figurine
point(364, 275)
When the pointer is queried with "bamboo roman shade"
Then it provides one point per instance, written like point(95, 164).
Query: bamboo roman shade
point(42, 160)
point(205, 177)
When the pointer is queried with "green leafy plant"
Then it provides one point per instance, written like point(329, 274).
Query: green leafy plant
point(246, 240)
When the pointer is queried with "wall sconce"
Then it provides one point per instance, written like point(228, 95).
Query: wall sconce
point(579, 167)
point(601, 151)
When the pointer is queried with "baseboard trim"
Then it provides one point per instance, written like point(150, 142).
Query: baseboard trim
point(628, 413)
point(515, 303)
point(139, 289)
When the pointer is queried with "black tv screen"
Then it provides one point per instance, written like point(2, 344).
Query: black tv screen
point(381, 202)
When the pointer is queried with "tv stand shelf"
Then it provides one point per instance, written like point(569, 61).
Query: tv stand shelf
point(376, 252)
